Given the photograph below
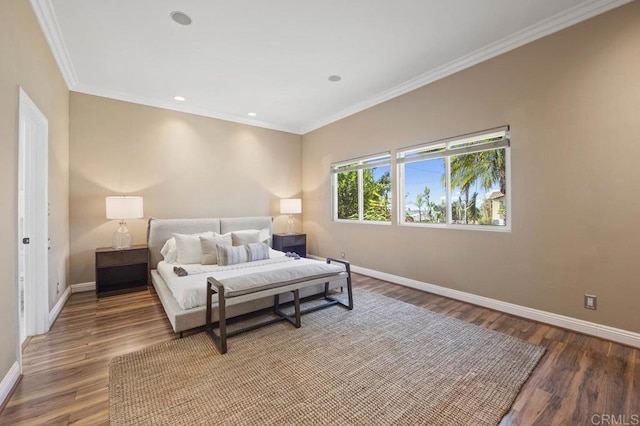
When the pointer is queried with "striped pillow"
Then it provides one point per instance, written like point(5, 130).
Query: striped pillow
point(232, 255)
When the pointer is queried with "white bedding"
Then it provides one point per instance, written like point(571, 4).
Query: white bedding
point(190, 291)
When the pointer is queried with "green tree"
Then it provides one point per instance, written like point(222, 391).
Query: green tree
point(348, 195)
point(376, 195)
point(456, 211)
point(438, 212)
point(427, 202)
point(376, 199)
point(419, 203)
point(473, 212)
point(486, 168)
point(424, 205)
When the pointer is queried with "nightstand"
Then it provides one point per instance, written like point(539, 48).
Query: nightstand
point(296, 243)
point(121, 271)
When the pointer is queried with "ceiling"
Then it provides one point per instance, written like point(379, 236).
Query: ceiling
point(273, 58)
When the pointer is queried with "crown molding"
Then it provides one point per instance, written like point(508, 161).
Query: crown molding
point(49, 24)
point(175, 106)
point(527, 35)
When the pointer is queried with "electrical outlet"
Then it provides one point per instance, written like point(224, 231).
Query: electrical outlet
point(590, 301)
point(342, 254)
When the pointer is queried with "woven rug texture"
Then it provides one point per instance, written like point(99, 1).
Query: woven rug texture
point(385, 362)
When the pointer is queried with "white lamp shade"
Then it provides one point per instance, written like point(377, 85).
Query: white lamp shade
point(290, 206)
point(124, 208)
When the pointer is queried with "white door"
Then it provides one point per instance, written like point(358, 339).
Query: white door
point(26, 136)
point(33, 291)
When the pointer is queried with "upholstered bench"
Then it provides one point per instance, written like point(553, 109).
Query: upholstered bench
point(258, 285)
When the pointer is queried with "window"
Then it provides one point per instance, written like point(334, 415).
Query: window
point(362, 189)
point(460, 182)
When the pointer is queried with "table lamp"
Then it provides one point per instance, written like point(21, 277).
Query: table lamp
point(121, 208)
point(290, 206)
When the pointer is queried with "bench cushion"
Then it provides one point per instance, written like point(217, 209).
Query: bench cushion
point(258, 281)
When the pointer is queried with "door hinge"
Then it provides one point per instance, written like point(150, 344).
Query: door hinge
point(25, 241)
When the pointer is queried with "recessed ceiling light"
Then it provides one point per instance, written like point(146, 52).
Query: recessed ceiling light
point(181, 18)
point(180, 98)
point(252, 114)
point(335, 78)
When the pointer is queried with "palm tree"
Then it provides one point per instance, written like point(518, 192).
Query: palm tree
point(427, 193)
point(437, 212)
point(472, 208)
point(419, 204)
point(484, 167)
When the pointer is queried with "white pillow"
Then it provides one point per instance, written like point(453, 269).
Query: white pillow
point(208, 246)
point(189, 247)
point(169, 251)
point(250, 236)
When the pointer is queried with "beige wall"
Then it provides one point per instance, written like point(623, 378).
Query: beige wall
point(183, 165)
point(25, 60)
point(573, 102)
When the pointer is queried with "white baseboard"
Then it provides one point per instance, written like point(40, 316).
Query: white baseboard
point(625, 337)
point(77, 288)
point(53, 314)
point(8, 382)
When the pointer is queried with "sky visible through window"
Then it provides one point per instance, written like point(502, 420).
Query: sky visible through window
point(429, 173)
point(424, 173)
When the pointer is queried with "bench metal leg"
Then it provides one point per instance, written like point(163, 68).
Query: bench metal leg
point(347, 266)
point(296, 298)
point(295, 319)
point(219, 340)
point(330, 301)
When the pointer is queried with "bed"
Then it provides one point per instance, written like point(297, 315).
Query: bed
point(184, 298)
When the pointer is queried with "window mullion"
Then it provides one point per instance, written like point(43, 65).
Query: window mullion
point(334, 192)
point(360, 195)
point(448, 190)
point(400, 190)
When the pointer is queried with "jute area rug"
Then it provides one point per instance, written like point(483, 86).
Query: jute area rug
point(385, 362)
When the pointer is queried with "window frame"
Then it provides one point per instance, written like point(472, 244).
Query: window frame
point(446, 154)
point(359, 164)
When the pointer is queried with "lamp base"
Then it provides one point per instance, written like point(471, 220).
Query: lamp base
point(290, 224)
point(122, 237)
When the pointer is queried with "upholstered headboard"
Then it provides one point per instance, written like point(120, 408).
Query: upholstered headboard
point(160, 230)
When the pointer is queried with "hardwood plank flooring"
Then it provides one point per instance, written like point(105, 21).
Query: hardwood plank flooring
point(66, 375)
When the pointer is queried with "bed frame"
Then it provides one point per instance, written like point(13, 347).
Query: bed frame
point(160, 230)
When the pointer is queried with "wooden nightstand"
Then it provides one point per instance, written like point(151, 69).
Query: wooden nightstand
point(296, 243)
point(121, 271)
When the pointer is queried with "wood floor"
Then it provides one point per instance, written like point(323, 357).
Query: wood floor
point(579, 379)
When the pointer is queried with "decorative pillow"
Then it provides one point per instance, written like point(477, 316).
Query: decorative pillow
point(170, 251)
point(232, 255)
point(189, 247)
point(209, 249)
point(249, 236)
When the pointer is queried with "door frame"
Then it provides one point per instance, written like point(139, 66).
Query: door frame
point(33, 165)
